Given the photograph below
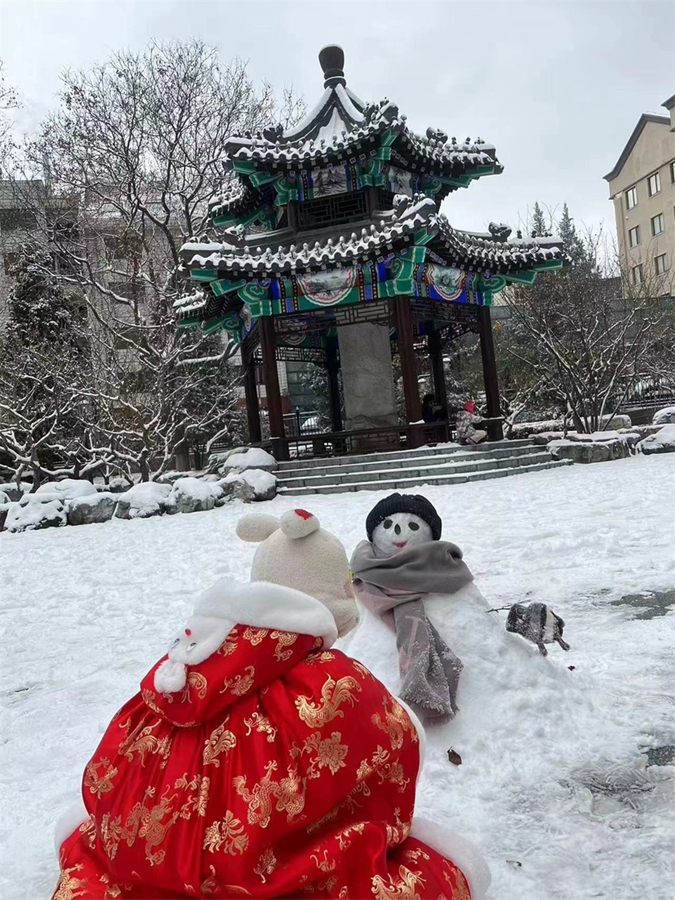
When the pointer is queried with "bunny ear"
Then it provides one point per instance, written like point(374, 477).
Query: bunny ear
point(256, 527)
point(298, 523)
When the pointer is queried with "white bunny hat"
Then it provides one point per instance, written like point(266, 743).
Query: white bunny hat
point(296, 552)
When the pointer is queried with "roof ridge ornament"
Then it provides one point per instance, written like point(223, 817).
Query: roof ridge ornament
point(332, 61)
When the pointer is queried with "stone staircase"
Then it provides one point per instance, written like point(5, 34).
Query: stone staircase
point(404, 469)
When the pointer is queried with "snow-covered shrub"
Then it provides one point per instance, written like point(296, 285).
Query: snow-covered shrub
point(662, 441)
point(86, 510)
point(243, 458)
point(33, 512)
point(15, 491)
point(194, 495)
point(144, 500)
point(253, 485)
point(665, 416)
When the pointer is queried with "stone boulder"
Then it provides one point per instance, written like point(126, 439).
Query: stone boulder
point(662, 441)
point(194, 495)
point(589, 451)
point(144, 500)
point(87, 510)
point(665, 416)
point(34, 512)
point(68, 489)
point(251, 486)
point(241, 459)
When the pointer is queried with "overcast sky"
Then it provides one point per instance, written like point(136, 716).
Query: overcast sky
point(557, 86)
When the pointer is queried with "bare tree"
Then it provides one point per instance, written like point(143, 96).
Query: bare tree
point(578, 339)
point(133, 158)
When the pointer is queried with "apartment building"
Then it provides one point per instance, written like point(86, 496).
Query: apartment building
point(642, 188)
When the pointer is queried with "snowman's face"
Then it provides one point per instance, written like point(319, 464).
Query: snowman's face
point(399, 531)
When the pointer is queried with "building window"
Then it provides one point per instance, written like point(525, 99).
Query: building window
point(654, 184)
point(634, 236)
point(636, 273)
point(660, 264)
point(672, 172)
point(631, 197)
point(657, 224)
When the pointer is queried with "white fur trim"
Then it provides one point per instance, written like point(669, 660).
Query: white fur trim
point(264, 605)
point(170, 677)
point(256, 527)
point(421, 733)
point(69, 820)
point(464, 854)
point(298, 523)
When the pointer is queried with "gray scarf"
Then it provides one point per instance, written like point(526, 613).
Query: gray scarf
point(393, 588)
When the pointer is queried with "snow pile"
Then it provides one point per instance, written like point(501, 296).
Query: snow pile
point(143, 500)
point(525, 429)
point(15, 491)
point(35, 511)
point(194, 495)
point(552, 787)
point(67, 489)
point(665, 416)
point(662, 441)
point(253, 485)
point(242, 458)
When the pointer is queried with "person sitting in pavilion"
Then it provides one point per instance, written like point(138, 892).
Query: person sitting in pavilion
point(467, 419)
point(431, 410)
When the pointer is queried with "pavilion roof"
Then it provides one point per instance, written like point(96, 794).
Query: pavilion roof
point(411, 221)
point(341, 127)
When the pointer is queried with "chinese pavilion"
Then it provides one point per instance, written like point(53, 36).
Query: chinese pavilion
point(335, 251)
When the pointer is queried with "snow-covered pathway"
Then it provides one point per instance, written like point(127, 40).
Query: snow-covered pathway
point(563, 791)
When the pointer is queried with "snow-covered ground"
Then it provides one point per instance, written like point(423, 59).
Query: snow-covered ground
point(557, 793)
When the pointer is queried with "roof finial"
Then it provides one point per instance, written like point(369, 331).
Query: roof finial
point(332, 60)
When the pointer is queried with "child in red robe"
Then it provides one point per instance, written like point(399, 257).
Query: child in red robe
point(257, 762)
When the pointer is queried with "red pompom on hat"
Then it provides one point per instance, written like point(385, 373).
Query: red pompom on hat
point(470, 406)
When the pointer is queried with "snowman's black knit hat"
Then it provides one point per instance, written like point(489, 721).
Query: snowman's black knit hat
point(404, 503)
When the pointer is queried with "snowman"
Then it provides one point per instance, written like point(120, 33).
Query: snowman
point(425, 632)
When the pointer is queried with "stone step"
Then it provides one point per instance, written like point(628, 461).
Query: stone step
point(413, 461)
point(410, 482)
point(429, 467)
point(434, 450)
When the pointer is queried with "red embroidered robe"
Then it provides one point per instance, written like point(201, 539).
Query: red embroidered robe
point(280, 770)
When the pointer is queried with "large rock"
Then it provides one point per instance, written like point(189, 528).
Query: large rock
point(663, 441)
point(68, 489)
point(240, 459)
point(34, 512)
point(88, 510)
point(367, 379)
point(143, 501)
point(194, 495)
point(589, 451)
point(251, 486)
point(665, 416)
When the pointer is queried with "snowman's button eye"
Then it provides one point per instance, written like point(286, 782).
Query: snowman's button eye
point(387, 523)
point(413, 526)
point(192, 646)
point(175, 643)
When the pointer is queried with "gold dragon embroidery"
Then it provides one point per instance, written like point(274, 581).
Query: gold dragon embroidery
point(396, 724)
point(240, 685)
point(212, 886)
point(284, 639)
point(255, 635)
point(220, 741)
point(69, 887)
point(333, 695)
point(197, 681)
point(403, 889)
point(146, 742)
point(460, 887)
point(260, 800)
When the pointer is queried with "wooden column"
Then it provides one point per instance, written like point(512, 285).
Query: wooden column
point(333, 367)
point(406, 352)
point(251, 392)
point(435, 346)
point(268, 345)
point(487, 350)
